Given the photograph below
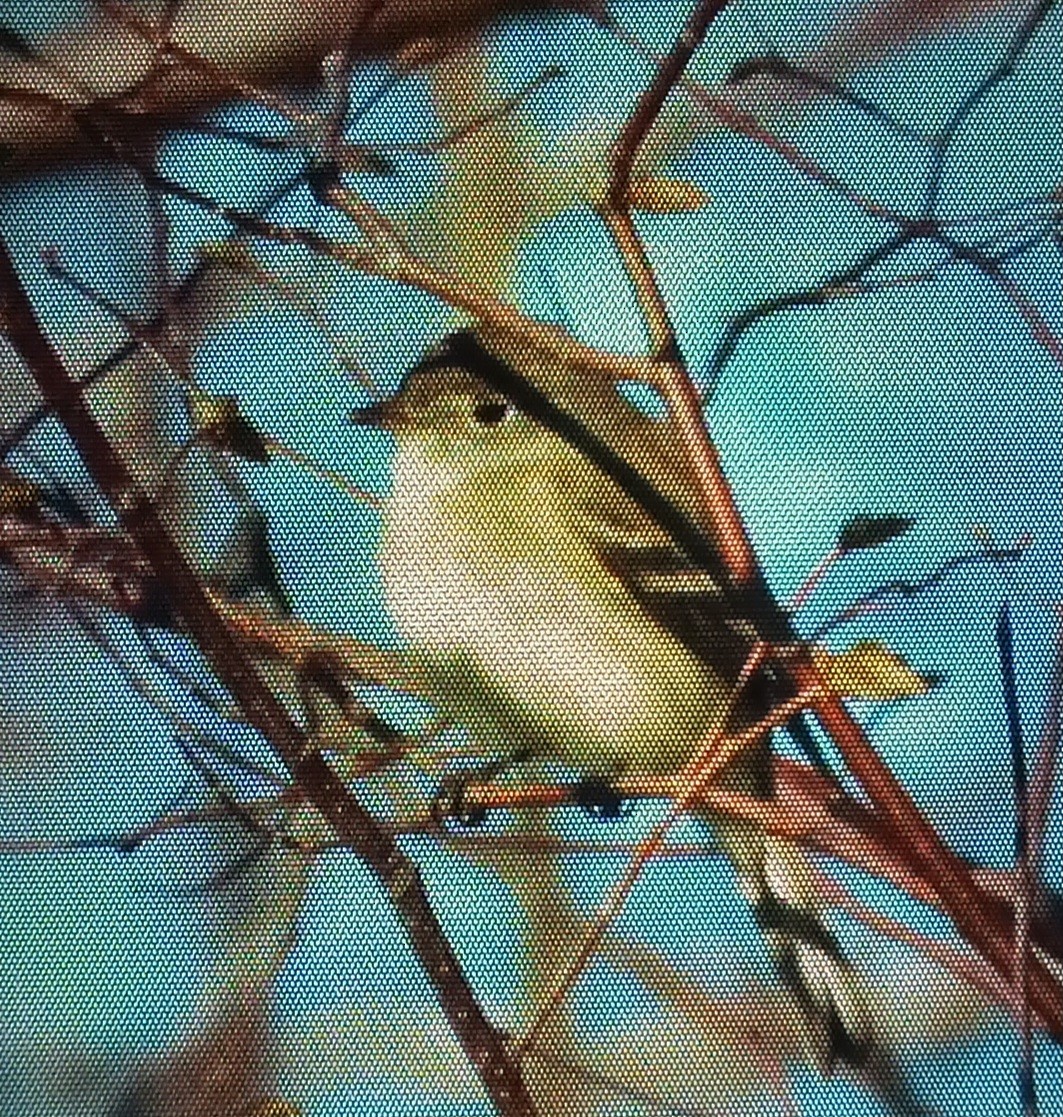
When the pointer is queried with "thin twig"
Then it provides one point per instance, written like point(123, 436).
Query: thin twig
point(719, 505)
point(743, 123)
point(982, 919)
point(1024, 891)
point(150, 694)
point(902, 589)
point(1046, 761)
point(649, 106)
point(342, 71)
point(404, 267)
point(483, 1044)
point(104, 567)
point(968, 967)
point(998, 74)
point(813, 579)
point(159, 39)
point(976, 915)
point(244, 263)
point(708, 759)
point(478, 123)
point(336, 479)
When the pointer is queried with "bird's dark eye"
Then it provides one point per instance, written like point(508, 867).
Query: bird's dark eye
point(490, 413)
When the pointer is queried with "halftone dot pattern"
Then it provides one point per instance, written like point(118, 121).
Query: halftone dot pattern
point(408, 707)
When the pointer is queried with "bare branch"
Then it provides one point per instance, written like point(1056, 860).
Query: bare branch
point(652, 100)
point(483, 1044)
point(106, 568)
point(977, 916)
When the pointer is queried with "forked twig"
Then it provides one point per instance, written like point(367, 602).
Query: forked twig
point(979, 917)
point(482, 1042)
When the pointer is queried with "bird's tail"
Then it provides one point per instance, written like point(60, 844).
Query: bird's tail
point(776, 881)
point(810, 960)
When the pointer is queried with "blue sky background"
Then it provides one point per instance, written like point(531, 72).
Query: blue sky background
point(930, 400)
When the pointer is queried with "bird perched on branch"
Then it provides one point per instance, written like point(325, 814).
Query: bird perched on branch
point(563, 608)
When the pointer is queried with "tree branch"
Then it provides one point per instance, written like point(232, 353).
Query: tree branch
point(982, 920)
point(482, 1043)
point(720, 510)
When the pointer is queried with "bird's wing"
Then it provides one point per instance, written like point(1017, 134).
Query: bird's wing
point(680, 596)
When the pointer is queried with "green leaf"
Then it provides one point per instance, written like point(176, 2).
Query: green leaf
point(863, 532)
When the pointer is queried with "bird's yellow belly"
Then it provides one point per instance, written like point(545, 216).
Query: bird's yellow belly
point(531, 641)
point(531, 661)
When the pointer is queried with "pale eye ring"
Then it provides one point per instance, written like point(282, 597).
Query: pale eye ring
point(491, 412)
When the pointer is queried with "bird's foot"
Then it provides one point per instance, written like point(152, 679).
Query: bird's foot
point(451, 805)
point(600, 800)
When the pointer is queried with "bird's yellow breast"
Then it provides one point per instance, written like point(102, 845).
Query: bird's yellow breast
point(531, 641)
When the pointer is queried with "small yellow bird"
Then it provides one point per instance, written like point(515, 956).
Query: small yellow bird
point(555, 616)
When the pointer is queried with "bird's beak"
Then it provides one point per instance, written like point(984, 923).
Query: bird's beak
point(386, 414)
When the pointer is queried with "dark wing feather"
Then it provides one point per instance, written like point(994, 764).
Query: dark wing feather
point(680, 596)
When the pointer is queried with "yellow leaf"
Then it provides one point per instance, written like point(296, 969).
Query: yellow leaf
point(870, 670)
point(229, 253)
point(666, 195)
point(276, 1107)
point(217, 419)
point(209, 410)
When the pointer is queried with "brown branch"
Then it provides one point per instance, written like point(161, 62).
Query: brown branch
point(982, 920)
point(86, 563)
point(736, 119)
point(652, 100)
point(283, 47)
point(478, 123)
point(104, 567)
point(1040, 328)
point(388, 259)
point(332, 476)
point(295, 640)
point(671, 377)
point(806, 808)
point(383, 254)
point(481, 1041)
point(971, 969)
